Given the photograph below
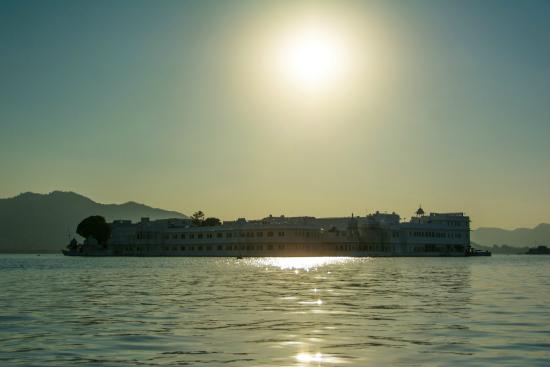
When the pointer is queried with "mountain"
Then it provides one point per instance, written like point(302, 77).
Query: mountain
point(33, 222)
point(539, 235)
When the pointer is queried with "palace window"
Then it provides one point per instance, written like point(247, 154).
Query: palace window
point(219, 235)
point(269, 234)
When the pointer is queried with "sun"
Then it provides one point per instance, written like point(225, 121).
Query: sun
point(313, 58)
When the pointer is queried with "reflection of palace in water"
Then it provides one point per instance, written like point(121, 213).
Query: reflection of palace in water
point(378, 234)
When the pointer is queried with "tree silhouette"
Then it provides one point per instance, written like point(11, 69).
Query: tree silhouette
point(211, 222)
point(197, 218)
point(96, 227)
point(73, 245)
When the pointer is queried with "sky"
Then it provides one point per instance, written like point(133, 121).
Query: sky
point(199, 105)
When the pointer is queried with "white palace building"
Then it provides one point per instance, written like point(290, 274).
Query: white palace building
point(377, 234)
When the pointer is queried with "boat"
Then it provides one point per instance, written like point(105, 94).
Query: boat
point(376, 234)
point(474, 252)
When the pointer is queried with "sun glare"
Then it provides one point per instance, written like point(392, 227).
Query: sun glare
point(309, 358)
point(299, 263)
point(313, 57)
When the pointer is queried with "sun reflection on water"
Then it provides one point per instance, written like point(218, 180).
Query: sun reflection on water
point(299, 263)
point(317, 359)
point(316, 302)
point(310, 300)
point(309, 358)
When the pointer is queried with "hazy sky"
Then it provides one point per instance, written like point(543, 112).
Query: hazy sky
point(183, 105)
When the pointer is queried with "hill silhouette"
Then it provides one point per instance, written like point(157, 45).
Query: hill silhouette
point(32, 222)
point(521, 237)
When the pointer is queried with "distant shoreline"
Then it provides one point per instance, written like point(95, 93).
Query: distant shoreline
point(29, 253)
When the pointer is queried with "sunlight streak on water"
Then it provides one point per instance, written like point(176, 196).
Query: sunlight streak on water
point(309, 358)
point(317, 302)
point(316, 359)
point(300, 263)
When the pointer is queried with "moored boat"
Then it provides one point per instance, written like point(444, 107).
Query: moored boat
point(474, 252)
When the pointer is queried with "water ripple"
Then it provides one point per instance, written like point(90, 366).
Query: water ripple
point(57, 311)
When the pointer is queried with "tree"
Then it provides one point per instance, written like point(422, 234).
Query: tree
point(96, 227)
point(197, 218)
point(73, 245)
point(211, 222)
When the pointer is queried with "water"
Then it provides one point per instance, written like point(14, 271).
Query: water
point(63, 311)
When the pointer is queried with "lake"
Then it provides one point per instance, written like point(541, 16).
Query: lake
point(64, 311)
